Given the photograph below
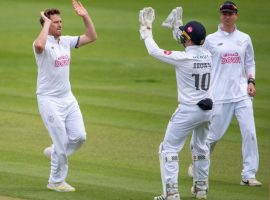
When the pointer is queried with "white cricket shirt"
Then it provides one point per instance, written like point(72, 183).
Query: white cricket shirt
point(193, 70)
point(233, 64)
point(53, 66)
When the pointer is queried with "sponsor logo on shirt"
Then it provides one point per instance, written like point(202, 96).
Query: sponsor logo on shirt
point(200, 57)
point(62, 61)
point(167, 52)
point(201, 65)
point(229, 58)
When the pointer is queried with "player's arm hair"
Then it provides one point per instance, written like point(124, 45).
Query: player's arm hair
point(40, 41)
point(90, 34)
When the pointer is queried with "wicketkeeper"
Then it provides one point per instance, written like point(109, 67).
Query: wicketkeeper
point(193, 73)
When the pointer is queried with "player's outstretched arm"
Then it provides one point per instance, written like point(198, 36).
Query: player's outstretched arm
point(90, 32)
point(40, 41)
point(146, 19)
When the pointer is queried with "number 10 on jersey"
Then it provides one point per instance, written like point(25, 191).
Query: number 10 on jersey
point(202, 81)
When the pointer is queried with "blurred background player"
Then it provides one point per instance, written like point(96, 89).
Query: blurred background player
point(233, 88)
point(58, 107)
point(193, 72)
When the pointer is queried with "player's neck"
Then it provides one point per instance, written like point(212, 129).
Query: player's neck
point(188, 43)
point(57, 38)
point(228, 28)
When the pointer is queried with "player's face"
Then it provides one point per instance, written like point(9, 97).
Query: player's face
point(228, 18)
point(56, 25)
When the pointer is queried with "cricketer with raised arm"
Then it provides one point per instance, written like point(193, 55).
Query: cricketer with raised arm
point(193, 74)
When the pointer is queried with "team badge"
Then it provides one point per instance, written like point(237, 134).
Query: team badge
point(189, 29)
point(167, 52)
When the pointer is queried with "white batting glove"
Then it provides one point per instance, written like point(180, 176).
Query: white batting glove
point(174, 20)
point(146, 18)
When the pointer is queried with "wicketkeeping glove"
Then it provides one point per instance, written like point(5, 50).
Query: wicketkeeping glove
point(146, 18)
point(174, 20)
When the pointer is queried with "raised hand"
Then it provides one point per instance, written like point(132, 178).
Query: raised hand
point(146, 18)
point(173, 21)
point(46, 19)
point(78, 8)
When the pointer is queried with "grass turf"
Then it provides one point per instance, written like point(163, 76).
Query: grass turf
point(126, 98)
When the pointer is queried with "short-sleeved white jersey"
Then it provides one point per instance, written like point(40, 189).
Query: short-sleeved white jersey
point(233, 63)
point(53, 66)
point(193, 70)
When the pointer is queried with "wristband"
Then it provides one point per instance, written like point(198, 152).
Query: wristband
point(251, 80)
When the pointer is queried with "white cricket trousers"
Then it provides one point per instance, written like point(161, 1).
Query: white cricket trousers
point(222, 117)
point(186, 118)
point(63, 120)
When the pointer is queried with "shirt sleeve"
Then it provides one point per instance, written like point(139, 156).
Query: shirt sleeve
point(249, 60)
point(207, 44)
point(35, 53)
point(171, 57)
point(73, 41)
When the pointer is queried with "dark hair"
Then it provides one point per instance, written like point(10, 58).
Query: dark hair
point(48, 13)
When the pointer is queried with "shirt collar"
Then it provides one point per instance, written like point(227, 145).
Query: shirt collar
point(193, 47)
point(52, 39)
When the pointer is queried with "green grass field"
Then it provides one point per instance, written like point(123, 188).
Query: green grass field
point(126, 98)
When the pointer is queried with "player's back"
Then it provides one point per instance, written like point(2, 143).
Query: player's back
point(193, 75)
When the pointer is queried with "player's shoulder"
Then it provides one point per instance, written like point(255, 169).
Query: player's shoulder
point(213, 36)
point(67, 38)
point(242, 34)
point(206, 52)
point(212, 39)
point(180, 55)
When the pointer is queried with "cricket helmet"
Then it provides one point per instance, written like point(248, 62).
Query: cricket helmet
point(193, 31)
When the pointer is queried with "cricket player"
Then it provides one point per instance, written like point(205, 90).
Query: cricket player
point(58, 107)
point(193, 73)
point(233, 88)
